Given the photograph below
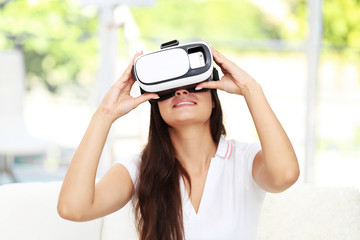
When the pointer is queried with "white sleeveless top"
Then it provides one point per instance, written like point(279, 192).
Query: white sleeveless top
point(231, 201)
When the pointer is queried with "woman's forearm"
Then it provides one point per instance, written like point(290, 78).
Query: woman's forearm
point(78, 199)
point(77, 192)
point(279, 158)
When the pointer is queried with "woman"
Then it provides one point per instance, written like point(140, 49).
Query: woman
point(189, 182)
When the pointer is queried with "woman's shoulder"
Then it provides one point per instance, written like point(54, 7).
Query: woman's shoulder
point(239, 146)
point(131, 163)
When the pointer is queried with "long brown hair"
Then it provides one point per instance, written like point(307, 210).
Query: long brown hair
point(158, 208)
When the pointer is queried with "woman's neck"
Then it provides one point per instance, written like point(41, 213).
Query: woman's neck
point(194, 146)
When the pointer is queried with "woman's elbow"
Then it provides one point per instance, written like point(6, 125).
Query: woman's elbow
point(286, 180)
point(292, 176)
point(69, 213)
point(291, 173)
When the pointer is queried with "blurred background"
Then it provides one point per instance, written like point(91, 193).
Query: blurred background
point(59, 57)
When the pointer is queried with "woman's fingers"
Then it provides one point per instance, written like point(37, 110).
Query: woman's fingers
point(118, 97)
point(137, 54)
point(226, 65)
point(127, 75)
point(145, 97)
point(209, 84)
point(218, 57)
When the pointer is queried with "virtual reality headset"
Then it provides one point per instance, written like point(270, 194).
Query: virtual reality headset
point(174, 67)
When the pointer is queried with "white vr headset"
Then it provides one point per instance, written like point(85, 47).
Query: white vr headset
point(174, 67)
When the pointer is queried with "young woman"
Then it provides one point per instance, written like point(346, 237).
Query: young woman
point(188, 182)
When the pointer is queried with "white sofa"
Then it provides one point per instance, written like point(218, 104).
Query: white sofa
point(28, 211)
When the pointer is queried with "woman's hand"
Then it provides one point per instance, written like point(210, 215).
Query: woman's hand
point(235, 79)
point(118, 101)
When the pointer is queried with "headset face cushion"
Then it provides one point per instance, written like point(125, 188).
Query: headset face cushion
point(172, 94)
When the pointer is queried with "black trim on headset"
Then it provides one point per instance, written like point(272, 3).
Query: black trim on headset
point(172, 94)
point(191, 88)
point(169, 44)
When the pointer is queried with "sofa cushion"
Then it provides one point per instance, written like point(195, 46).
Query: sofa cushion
point(302, 212)
point(120, 225)
point(311, 212)
point(28, 211)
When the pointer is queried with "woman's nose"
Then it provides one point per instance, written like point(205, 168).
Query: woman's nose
point(181, 92)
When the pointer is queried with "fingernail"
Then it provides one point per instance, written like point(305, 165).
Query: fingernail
point(198, 88)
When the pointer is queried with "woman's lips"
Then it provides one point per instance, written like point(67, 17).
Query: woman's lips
point(183, 102)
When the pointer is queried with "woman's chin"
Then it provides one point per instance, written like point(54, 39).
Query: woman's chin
point(187, 121)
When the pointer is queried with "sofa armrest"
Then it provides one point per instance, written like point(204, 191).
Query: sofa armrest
point(29, 211)
point(311, 212)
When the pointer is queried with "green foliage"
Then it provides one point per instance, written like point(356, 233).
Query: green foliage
point(341, 20)
point(216, 19)
point(357, 138)
point(57, 38)
point(341, 23)
point(59, 41)
point(298, 16)
point(341, 29)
